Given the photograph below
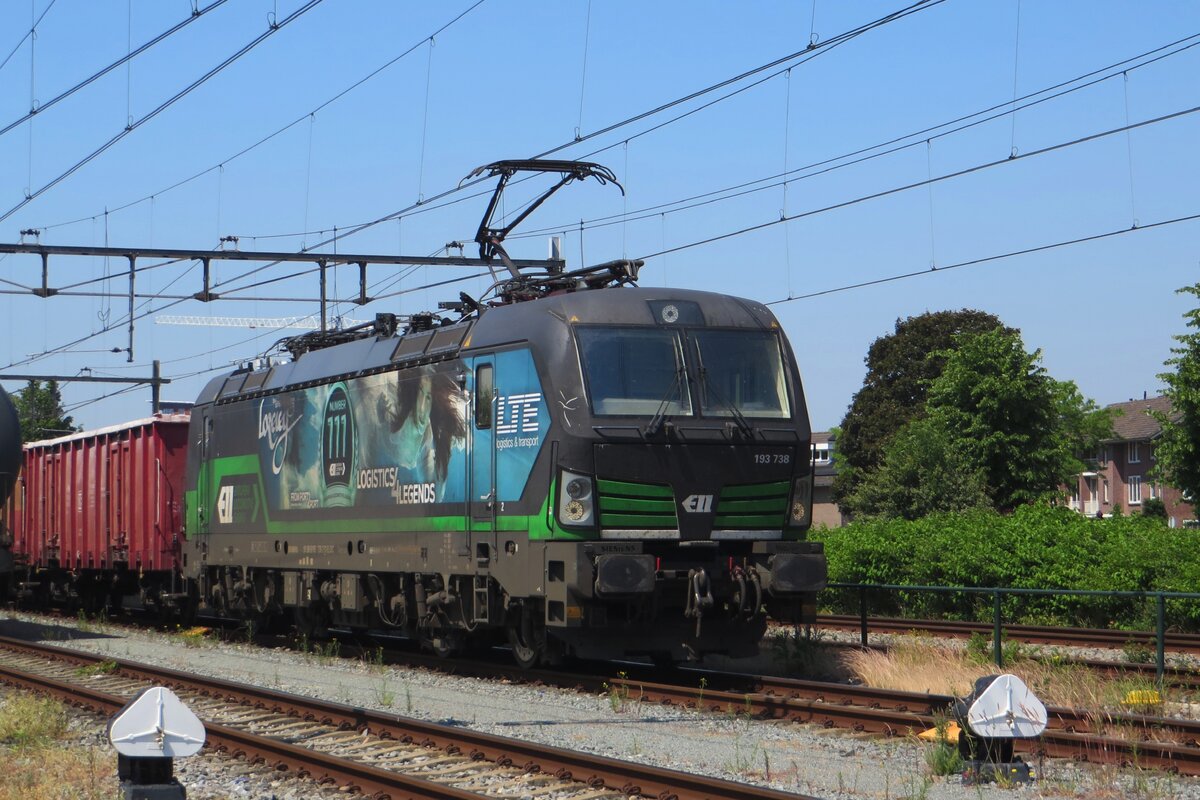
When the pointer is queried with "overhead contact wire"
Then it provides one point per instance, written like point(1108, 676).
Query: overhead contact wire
point(987, 259)
point(846, 36)
point(28, 33)
point(279, 131)
point(868, 153)
point(162, 107)
point(114, 65)
point(948, 176)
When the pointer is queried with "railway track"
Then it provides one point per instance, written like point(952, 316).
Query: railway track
point(1124, 739)
point(381, 756)
point(1029, 634)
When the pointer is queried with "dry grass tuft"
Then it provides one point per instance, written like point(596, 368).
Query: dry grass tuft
point(38, 761)
point(918, 665)
point(30, 721)
point(64, 771)
point(922, 664)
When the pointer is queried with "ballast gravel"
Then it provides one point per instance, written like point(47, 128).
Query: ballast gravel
point(786, 756)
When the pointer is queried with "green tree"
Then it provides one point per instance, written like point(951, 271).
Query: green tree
point(925, 470)
point(900, 367)
point(1177, 452)
point(40, 411)
point(1022, 428)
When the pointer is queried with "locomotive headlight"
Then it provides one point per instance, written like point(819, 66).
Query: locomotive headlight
point(575, 511)
point(801, 505)
point(575, 506)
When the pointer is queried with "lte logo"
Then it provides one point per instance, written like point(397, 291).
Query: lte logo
point(517, 413)
point(697, 503)
point(225, 505)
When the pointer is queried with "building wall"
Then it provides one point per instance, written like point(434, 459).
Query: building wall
point(825, 511)
point(1115, 471)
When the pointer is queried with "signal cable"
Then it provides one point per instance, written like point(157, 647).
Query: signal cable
point(29, 197)
point(195, 15)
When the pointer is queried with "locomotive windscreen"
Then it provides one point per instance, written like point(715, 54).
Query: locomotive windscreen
point(642, 371)
point(634, 370)
point(742, 370)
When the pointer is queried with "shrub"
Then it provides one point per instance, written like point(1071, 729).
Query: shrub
point(1035, 547)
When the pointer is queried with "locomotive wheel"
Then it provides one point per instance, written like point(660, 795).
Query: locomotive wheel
point(444, 644)
point(264, 616)
point(527, 638)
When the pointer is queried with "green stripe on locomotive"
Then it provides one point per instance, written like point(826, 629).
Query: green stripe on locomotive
point(244, 471)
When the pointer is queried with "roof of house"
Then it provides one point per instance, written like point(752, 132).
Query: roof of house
point(1132, 420)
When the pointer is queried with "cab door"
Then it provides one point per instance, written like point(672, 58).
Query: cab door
point(204, 477)
point(482, 493)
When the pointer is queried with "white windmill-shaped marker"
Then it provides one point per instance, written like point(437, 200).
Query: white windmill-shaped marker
point(1001, 710)
point(1006, 709)
point(156, 725)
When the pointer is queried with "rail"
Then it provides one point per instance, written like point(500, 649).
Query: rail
point(998, 593)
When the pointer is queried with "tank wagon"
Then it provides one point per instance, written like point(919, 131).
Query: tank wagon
point(599, 470)
point(10, 463)
point(98, 515)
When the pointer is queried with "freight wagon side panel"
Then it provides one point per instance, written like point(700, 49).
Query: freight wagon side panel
point(106, 498)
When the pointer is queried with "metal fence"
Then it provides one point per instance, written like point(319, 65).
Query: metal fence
point(998, 594)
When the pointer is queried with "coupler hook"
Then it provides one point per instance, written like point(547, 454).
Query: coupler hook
point(699, 596)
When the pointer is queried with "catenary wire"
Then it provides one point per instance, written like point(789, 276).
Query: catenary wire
point(918, 184)
point(888, 147)
point(885, 148)
point(845, 36)
point(988, 259)
point(471, 277)
point(788, 218)
point(827, 45)
point(29, 197)
point(807, 54)
point(276, 133)
point(28, 33)
point(42, 107)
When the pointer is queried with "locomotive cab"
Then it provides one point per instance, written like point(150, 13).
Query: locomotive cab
point(681, 482)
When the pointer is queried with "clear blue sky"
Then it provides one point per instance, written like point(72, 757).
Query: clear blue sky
point(509, 80)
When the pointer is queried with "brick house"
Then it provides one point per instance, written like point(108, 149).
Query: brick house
point(1120, 474)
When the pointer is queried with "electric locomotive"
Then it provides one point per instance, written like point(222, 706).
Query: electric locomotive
point(584, 468)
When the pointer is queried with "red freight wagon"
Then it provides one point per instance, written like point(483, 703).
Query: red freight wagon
point(99, 514)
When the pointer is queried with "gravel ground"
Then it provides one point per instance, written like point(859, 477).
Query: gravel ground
point(790, 757)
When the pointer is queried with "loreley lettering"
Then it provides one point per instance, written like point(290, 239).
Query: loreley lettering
point(274, 426)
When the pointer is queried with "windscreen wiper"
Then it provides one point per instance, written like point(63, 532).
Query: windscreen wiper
point(742, 423)
point(656, 422)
